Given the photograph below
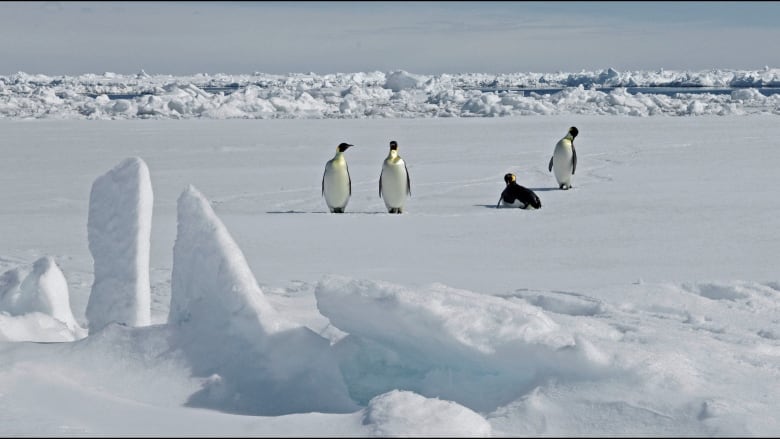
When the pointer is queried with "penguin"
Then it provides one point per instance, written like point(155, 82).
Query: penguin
point(564, 159)
point(394, 183)
point(336, 182)
point(515, 195)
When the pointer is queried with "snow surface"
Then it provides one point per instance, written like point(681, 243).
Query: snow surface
point(644, 301)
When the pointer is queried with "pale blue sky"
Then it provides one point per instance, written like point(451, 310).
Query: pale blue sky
point(182, 38)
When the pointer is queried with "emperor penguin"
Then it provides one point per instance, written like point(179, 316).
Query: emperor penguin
point(336, 182)
point(515, 195)
point(394, 183)
point(564, 159)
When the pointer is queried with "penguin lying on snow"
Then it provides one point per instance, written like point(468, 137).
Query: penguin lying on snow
point(336, 183)
point(394, 184)
point(564, 159)
point(515, 195)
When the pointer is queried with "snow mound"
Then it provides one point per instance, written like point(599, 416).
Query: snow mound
point(44, 293)
point(254, 360)
point(407, 414)
point(119, 232)
point(425, 340)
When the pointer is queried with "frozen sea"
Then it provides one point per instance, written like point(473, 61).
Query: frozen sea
point(644, 301)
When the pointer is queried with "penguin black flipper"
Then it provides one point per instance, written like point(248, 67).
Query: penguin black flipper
point(349, 180)
point(408, 181)
point(536, 202)
point(504, 197)
point(549, 167)
point(380, 184)
point(573, 159)
point(323, 183)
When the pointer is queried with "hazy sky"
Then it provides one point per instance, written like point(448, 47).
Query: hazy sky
point(182, 38)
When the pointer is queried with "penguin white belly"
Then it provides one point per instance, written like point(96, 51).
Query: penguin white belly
point(562, 162)
point(336, 184)
point(394, 189)
point(517, 204)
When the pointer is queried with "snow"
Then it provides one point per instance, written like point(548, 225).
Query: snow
point(642, 302)
point(119, 228)
point(394, 94)
point(406, 414)
point(44, 290)
point(224, 323)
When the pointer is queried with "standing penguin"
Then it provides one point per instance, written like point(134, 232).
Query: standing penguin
point(515, 195)
point(394, 184)
point(564, 159)
point(336, 183)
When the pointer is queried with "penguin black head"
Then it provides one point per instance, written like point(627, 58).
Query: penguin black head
point(573, 131)
point(343, 147)
point(508, 178)
point(393, 145)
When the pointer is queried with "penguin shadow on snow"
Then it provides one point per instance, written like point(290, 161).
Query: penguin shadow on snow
point(547, 189)
point(515, 195)
point(535, 189)
point(277, 212)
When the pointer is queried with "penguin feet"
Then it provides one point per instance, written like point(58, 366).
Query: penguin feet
point(337, 210)
point(565, 186)
point(394, 210)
